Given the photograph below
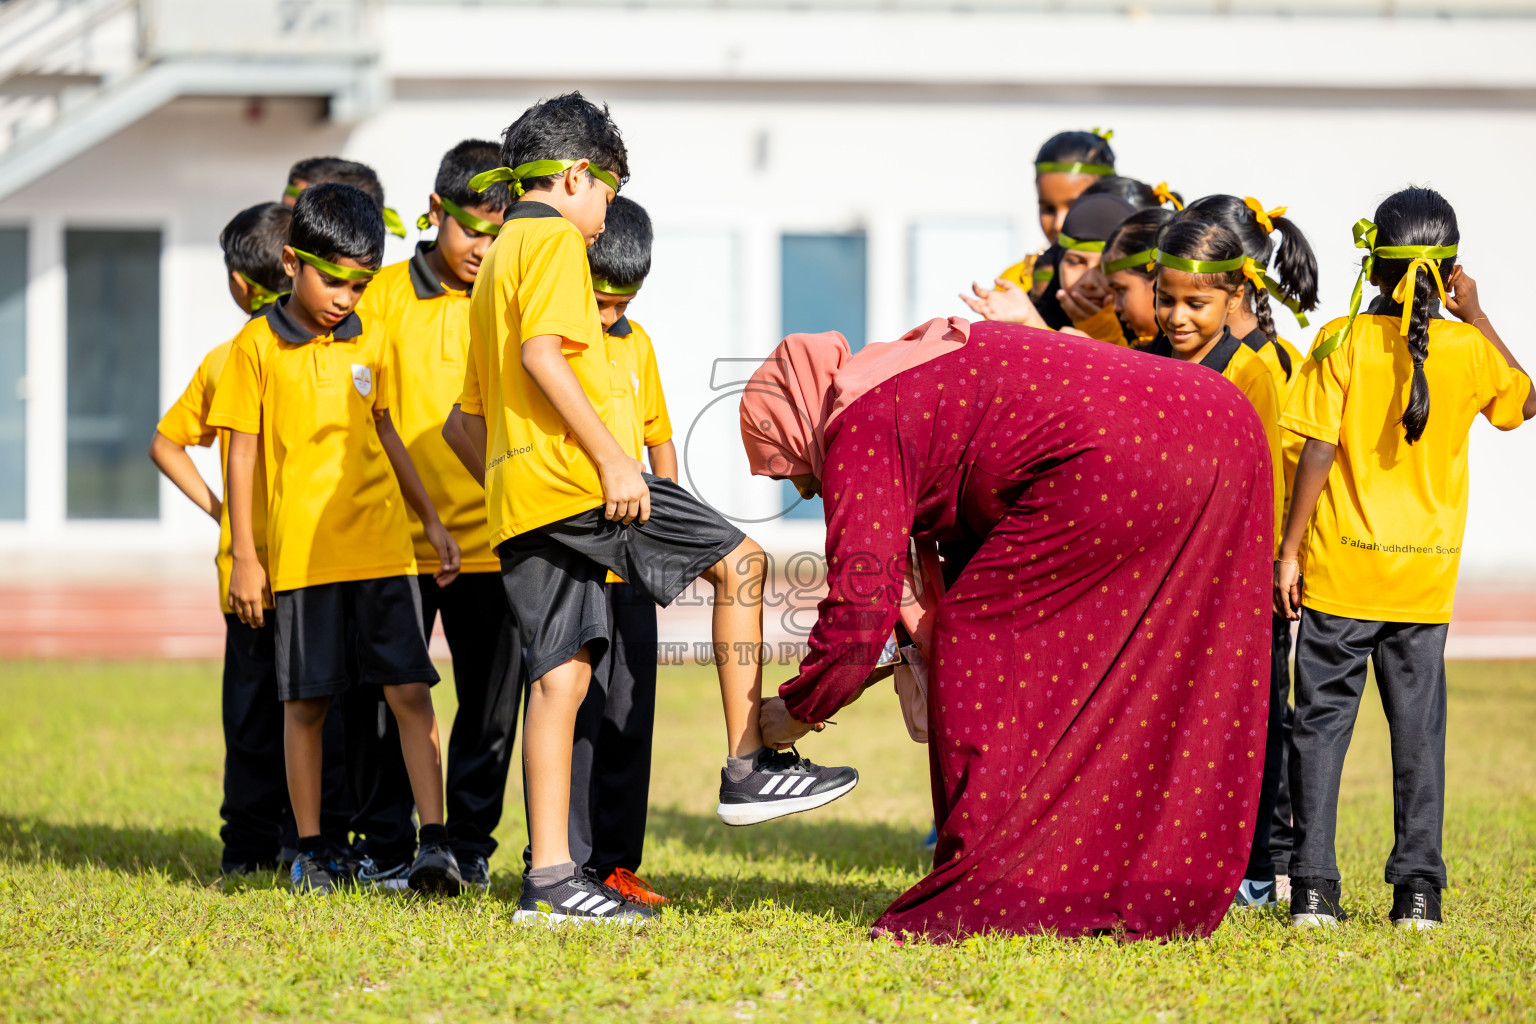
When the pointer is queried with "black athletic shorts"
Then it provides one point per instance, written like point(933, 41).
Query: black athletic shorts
point(367, 629)
point(555, 575)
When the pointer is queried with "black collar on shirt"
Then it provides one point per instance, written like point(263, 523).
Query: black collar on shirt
point(620, 328)
point(1220, 355)
point(530, 208)
point(286, 328)
point(1255, 340)
point(423, 278)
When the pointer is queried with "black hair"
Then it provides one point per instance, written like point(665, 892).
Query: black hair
point(568, 127)
point(1138, 193)
point(1076, 148)
point(253, 243)
point(462, 163)
point(1137, 233)
point(319, 170)
point(1293, 266)
point(334, 220)
point(1415, 216)
point(622, 253)
point(1206, 241)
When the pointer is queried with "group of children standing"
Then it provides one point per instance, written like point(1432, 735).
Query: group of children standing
point(459, 434)
point(1368, 445)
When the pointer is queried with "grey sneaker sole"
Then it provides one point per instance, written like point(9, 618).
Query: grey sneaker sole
point(399, 883)
point(1314, 921)
point(555, 919)
point(756, 813)
point(1414, 924)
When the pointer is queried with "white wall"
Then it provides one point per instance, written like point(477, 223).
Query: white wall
point(914, 128)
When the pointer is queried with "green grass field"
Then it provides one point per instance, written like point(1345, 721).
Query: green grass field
point(111, 907)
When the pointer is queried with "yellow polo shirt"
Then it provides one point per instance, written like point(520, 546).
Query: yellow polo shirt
point(630, 346)
point(186, 424)
point(535, 281)
point(334, 510)
point(1290, 444)
point(426, 336)
point(1385, 542)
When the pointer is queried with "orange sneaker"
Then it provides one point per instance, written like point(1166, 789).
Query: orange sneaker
point(635, 889)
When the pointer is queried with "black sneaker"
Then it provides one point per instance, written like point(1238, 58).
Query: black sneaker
point(375, 875)
point(314, 874)
point(581, 899)
point(1316, 902)
point(436, 870)
point(475, 870)
point(782, 783)
point(1415, 905)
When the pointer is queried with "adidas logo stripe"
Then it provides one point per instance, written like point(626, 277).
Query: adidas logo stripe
point(588, 903)
point(791, 785)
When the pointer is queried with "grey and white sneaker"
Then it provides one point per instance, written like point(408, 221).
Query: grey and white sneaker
point(782, 783)
point(1253, 895)
point(373, 875)
point(1316, 903)
point(580, 899)
point(1416, 905)
point(476, 872)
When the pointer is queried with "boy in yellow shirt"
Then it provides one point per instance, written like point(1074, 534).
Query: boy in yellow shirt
point(307, 386)
point(550, 420)
point(422, 306)
point(320, 170)
point(257, 821)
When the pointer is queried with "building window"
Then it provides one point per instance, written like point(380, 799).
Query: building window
point(825, 287)
point(13, 373)
point(112, 350)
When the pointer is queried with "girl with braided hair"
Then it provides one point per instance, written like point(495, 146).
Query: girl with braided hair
point(1372, 542)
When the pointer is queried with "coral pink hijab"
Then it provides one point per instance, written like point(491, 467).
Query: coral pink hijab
point(803, 386)
point(811, 378)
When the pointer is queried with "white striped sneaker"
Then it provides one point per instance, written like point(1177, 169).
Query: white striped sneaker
point(581, 899)
point(782, 783)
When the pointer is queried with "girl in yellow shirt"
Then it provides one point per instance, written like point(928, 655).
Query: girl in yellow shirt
point(1128, 254)
point(1373, 539)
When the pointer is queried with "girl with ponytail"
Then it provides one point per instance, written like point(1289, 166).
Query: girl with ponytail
point(1127, 255)
point(1372, 542)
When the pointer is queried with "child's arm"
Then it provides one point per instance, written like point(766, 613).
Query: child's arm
point(465, 434)
point(626, 498)
point(663, 460)
point(1463, 302)
point(416, 495)
point(1311, 474)
point(172, 460)
point(248, 590)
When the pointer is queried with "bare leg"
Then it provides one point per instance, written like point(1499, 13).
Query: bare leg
point(412, 705)
point(738, 622)
point(303, 722)
point(553, 701)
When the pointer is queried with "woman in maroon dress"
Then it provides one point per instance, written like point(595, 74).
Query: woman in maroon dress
point(1099, 667)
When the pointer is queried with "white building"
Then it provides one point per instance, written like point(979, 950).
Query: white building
point(846, 165)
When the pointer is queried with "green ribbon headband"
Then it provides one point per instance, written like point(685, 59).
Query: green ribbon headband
point(1066, 241)
point(1273, 287)
point(1196, 266)
point(536, 169)
point(292, 191)
point(1042, 274)
point(463, 216)
point(1365, 238)
point(261, 295)
point(1097, 170)
point(601, 285)
point(1135, 259)
point(327, 267)
point(393, 224)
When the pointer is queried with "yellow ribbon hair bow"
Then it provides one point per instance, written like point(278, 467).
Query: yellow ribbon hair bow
point(1266, 218)
point(1254, 273)
point(1404, 291)
point(1104, 133)
point(1165, 195)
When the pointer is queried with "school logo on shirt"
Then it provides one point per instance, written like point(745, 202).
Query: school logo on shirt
point(362, 379)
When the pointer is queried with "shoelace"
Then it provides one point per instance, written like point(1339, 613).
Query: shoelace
point(629, 880)
point(597, 885)
point(786, 761)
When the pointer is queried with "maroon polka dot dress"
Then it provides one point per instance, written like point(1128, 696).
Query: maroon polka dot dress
point(1100, 669)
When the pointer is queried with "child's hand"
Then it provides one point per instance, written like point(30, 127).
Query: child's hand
point(1008, 303)
point(1461, 295)
point(626, 497)
point(1078, 307)
point(1288, 589)
point(781, 729)
point(447, 553)
point(248, 591)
